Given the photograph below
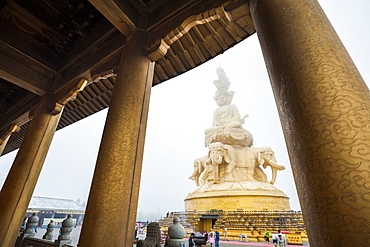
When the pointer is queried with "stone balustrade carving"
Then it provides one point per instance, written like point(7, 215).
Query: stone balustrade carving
point(27, 236)
point(30, 229)
point(65, 231)
point(30, 225)
point(176, 233)
point(153, 236)
point(49, 231)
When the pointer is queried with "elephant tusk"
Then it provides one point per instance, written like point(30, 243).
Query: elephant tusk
point(274, 171)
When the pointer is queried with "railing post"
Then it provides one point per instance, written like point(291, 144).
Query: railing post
point(65, 238)
point(30, 226)
point(49, 231)
point(176, 233)
point(30, 229)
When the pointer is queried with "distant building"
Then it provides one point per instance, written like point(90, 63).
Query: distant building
point(57, 209)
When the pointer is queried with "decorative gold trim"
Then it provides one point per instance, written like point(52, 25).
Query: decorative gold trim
point(71, 95)
point(164, 44)
point(102, 76)
point(232, 10)
point(13, 128)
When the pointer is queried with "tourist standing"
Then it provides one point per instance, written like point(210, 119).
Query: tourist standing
point(275, 241)
point(281, 242)
point(217, 239)
point(211, 239)
point(191, 240)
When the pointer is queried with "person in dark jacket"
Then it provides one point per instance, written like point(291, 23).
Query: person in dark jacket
point(191, 240)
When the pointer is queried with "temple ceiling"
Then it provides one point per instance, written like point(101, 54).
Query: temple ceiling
point(47, 47)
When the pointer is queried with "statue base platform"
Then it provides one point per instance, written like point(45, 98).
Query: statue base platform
point(236, 196)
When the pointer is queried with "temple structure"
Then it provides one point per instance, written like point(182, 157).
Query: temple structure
point(230, 176)
point(61, 61)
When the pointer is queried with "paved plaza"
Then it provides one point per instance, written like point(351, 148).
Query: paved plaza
point(76, 233)
point(250, 244)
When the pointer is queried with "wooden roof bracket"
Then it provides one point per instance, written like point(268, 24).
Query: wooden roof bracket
point(5, 137)
point(102, 76)
point(71, 95)
point(58, 101)
point(13, 128)
point(232, 10)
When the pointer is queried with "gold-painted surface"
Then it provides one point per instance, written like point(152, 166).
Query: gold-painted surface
point(162, 46)
point(324, 106)
point(204, 225)
point(232, 10)
point(5, 138)
point(3, 143)
point(114, 191)
point(235, 203)
point(71, 95)
point(23, 175)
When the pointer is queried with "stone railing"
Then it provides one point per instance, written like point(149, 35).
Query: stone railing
point(27, 239)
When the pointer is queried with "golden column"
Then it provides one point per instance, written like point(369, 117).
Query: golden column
point(23, 175)
point(112, 205)
point(324, 106)
point(4, 140)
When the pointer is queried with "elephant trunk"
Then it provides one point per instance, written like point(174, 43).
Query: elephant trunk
point(216, 159)
point(273, 163)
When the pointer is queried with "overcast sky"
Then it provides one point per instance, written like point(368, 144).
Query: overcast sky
point(180, 110)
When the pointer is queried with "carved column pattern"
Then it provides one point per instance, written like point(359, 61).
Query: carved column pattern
point(112, 205)
point(324, 106)
point(24, 173)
